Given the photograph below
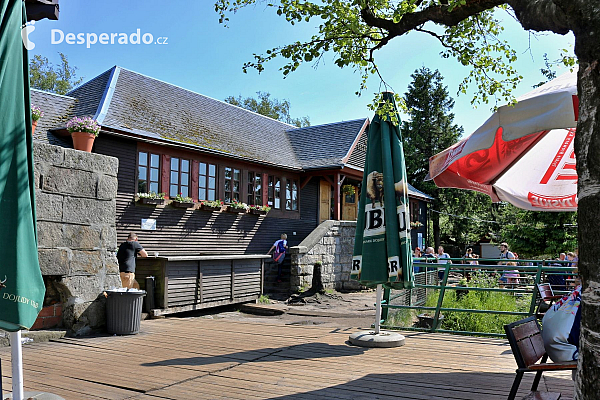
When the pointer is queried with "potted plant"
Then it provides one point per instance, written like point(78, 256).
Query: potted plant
point(182, 201)
point(36, 114)
point(83, 131)
point(348, 190)
point(259, 210)
point(151, 198)
point(237, 207)
point(211, 205)
point(415, 225)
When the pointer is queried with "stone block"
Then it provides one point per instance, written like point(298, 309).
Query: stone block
point(298, 250)
point(83, 288)
point(86, 263)
point(91, 162)
point(328, 240)
point(108, 238)
point(307, 269)
point(328, 259)
point(54, 261)
point(89, 211)
point(111, 265)
point(50, 234)
point(352, 285)
point(319, 249)
point(45, 153)
point(82, 237)
point(48, 206)
point(69, 181)
point(107, 187)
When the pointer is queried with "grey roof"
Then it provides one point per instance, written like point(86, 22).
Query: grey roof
point(412, 191)
point(57, 111)
point(326, 145)
point(150, 109)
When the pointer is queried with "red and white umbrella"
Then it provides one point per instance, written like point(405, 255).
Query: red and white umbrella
point(522, 154)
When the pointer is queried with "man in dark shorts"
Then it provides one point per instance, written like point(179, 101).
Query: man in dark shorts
point(128, 250)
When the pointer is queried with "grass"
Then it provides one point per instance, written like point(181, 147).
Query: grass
point(480, 300)
point(264, 299)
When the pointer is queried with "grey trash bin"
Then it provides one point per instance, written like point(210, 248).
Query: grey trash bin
point(124, 311)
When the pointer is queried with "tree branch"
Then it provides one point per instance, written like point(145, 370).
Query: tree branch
point(542, 15)
point(438, 14)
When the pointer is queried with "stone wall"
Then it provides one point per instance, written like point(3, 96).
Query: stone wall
point(332, 244)
point(77, 238)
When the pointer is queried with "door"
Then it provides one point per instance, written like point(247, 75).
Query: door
point(324, 201)
point(349, 206)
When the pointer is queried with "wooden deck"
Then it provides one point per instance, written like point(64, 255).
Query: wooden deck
point(198, 358)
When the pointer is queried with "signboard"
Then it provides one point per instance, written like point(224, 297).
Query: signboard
point(148, 224)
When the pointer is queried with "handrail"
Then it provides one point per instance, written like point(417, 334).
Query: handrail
point(547, 267)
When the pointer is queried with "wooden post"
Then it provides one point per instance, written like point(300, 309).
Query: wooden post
point(165, 174)
point(194, 181)
point(336, 197)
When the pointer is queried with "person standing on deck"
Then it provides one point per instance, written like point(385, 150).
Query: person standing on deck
point(128, 250)
point(280, 248)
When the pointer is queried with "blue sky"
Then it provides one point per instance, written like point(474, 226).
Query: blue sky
point(203, 56)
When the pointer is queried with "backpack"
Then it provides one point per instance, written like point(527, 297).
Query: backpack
point(279, 252)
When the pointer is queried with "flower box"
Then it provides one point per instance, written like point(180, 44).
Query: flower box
point(236, 210)
point(145, 200)
point(182, 204)
point(258, 212)
point(209, 208)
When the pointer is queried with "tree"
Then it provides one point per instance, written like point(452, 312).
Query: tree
point(429, 130)
point(356, 29)
point(273, 108)
point(58, 79)
point(533, 233)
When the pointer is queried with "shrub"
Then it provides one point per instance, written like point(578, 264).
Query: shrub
point(480, 300)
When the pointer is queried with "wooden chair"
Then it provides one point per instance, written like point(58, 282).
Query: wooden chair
point(547, 298)
point(525, 338)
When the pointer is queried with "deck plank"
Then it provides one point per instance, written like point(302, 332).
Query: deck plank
point(202, 358)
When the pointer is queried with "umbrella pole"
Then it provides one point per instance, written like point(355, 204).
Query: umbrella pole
point(378, 309)
point(17, 365)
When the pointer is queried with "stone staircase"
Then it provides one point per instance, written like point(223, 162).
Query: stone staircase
point(277, 290)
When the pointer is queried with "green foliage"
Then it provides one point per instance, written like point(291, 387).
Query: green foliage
point(272, 108)
point(480, 300)
point(533, 233)
point(264, 299)
point(60, 79)
point(400, 317)
point(353, 30)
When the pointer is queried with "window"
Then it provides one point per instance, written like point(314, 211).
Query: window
point(180, 177)
point(148, 172)
point(207, 181)
point(291, 195)
point(232, 184)
point(274, 192)
point(414, 211)
point(254, 188)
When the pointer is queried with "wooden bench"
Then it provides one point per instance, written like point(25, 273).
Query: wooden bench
point(547, 298)
point(525, 338)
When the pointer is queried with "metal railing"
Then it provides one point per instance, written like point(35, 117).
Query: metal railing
point(530, 274)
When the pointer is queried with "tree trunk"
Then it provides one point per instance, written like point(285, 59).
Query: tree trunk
point(587, 150)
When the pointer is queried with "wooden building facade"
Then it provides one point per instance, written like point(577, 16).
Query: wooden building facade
point(169, 139)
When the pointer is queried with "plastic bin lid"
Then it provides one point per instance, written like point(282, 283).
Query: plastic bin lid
point(125, 290)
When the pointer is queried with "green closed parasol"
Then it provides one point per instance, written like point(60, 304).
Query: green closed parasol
point(382, 250)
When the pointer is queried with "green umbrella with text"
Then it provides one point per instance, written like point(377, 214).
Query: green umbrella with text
point(22, 289)
point(382, 250)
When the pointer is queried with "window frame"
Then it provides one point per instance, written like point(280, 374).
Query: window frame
point(271, 190)
point(207, 189)
point(291, 190)
point(254, 188)
point(232, 183)
point(179, 172)
point(149, 169)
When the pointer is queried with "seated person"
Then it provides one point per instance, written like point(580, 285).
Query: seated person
point(560, 328)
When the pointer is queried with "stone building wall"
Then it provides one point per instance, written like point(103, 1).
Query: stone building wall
point(77, 238)
point(331, 243)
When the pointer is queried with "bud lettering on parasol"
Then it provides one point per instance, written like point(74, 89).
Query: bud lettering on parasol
point(541, 201)
point(2, 283)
